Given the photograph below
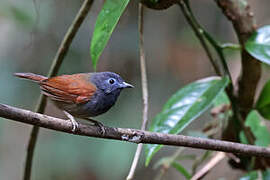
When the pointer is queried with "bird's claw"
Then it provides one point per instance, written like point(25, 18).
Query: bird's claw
point(101, 127)
point(99, 124)
point(74, 123)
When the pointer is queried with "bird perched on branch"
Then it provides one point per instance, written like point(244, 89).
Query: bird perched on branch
point(81, 95)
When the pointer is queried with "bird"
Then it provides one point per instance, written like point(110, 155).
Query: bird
point(82, 95)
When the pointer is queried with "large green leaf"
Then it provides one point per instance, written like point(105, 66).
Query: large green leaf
point(258, 128)
point(263, 103)
point(258, 45)
point(106, 22)
point(184, 106)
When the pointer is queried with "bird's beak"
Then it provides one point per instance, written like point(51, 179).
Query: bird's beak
point(126, 85)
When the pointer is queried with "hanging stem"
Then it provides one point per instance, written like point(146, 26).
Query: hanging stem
point(198, 32)
point(144, 92)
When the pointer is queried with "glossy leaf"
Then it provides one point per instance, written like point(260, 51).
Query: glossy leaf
point(258, 128)
point(181, 169)
point(105, 24)
point(183, 107)
point(258, 45)
point(263, 103)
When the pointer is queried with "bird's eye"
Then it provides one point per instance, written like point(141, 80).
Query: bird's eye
point(111, 81)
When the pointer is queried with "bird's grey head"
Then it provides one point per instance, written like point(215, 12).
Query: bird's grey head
point(109, 82)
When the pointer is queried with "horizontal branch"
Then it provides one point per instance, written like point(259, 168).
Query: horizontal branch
point(130, 135)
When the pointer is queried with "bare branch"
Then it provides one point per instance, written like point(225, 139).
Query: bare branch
point(130, 135)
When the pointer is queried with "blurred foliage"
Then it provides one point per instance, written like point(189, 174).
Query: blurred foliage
point(265, 175)
point(30, 34)
point(259, 129)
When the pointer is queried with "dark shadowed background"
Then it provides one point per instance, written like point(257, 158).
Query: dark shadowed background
point(30, 33)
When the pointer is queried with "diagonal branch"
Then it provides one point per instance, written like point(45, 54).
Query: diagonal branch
point(130, 135)
point(57, 61)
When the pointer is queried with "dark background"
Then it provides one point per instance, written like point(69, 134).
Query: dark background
point(29, 38)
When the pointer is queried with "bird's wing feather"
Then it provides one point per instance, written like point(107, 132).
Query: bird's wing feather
point(69, 88)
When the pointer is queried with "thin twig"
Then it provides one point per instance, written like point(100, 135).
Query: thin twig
point(198, 161)
point(198, 33)
point(144, 92)
point(211, 164)
point(130, 135)
point(166, 165)
point(58, 59)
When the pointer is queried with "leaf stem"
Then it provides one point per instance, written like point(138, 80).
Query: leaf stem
point(199, 33)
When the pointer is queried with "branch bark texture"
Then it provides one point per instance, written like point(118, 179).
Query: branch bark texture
point(242, 18)
point(130, 135)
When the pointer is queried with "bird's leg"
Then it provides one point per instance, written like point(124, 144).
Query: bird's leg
point(74, 123)
point(97, 123)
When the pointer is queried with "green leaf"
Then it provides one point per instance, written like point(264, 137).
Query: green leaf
point(253, 175)
point(258, 128)
point(263, 103)
point(181, 169)
point(258, 45)
point(106, 22)
point(266, 174)
point(250, 176)
point(221, 99)
point(183, 107)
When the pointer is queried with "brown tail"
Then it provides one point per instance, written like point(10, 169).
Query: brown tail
point(31, 76)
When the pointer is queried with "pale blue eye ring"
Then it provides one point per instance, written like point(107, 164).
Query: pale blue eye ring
point(111, 81)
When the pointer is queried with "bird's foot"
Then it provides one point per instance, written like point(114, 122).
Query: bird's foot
point(74, 123)
point(99, 124)
point(101, 127)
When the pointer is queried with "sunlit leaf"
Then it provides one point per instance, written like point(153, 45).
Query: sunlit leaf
point(105, 24)
point(183, 107)
point(258, 45)
point(258, 128)
point(181, 169)
point(263, 103)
